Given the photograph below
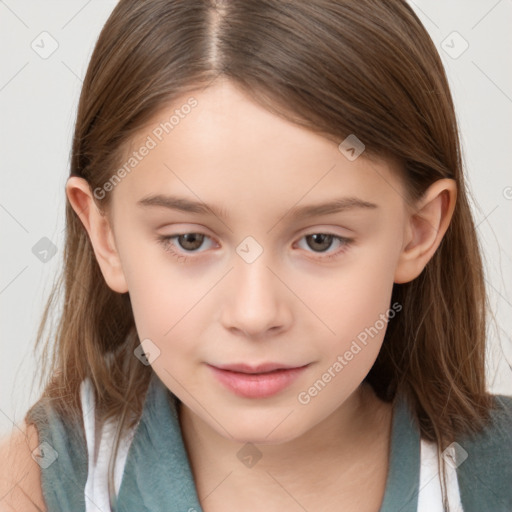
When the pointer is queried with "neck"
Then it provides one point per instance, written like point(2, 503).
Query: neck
point(350, 437)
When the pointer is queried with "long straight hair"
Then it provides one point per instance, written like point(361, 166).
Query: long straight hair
point(336, 67)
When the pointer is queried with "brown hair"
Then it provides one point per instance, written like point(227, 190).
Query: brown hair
point(338, 67)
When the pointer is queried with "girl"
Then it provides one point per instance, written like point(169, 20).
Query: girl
point(274, 295)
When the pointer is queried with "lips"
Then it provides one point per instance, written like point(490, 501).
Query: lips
point(261, 368)
point(259, 381)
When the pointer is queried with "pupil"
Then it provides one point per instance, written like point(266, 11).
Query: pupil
point(321, 237)
point(191, 238)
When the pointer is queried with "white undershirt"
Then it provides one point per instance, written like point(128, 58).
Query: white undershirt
point(429, 497)
point(96, 488)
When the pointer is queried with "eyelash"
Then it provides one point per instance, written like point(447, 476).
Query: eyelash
point(165, 241)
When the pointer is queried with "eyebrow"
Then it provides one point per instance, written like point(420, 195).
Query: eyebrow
point(186, 205)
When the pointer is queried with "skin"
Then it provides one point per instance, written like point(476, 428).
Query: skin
point(290, 305)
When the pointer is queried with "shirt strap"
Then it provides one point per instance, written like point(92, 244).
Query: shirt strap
point(62, 456)
point(403, 479)
point(157, 475)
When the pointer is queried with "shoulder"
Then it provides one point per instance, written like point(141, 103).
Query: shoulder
point(61, 453)
point(47, 460)
point(502, 414)
point(494, 441)
point(485, 469)
point(20, 474)
point(499, 428)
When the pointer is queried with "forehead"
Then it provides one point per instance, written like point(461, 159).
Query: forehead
point(218, 143)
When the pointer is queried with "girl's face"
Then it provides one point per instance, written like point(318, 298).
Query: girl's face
point(260, 278)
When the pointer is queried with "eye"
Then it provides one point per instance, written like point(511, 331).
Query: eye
point(190, 242)
point(324, 241)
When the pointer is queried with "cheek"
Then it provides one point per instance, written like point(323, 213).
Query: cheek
point(159, 297)
point(359, 319)
point(166, 318)
point(354, 304)
point(354, 295)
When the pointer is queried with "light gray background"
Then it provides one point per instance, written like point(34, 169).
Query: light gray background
point(38, 99)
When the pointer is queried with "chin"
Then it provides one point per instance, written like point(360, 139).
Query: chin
point(268, 431)
point(260, 438)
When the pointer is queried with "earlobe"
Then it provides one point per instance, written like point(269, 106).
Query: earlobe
point(100, 232)
point(426, 228)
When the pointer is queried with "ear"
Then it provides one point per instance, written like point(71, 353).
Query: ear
point(100, 232)
point(425, 229)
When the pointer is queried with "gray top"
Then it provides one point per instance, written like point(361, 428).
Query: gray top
point(154, 483)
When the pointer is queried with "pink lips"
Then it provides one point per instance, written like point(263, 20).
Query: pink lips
point(256, 381)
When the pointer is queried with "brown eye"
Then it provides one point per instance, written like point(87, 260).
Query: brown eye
point(319, 244)
point(320, 241)
point(185, 244)
point(190, 241)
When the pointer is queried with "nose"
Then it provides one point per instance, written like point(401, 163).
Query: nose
point(257, 304)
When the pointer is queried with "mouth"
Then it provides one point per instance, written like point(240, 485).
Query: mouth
point(259, 381)
point(261, 368)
